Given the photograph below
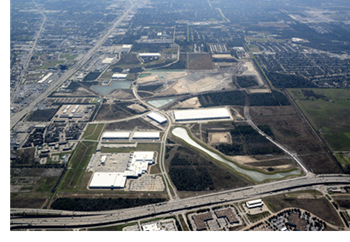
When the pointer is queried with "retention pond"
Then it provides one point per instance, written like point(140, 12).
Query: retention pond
point(254, 175)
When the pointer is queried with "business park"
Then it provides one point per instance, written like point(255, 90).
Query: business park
point(111, 170)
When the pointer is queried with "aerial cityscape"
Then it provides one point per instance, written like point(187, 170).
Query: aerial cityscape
point(179, 115)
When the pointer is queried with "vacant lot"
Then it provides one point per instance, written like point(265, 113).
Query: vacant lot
point(328, 110)
point(342, 200)
point(133, 124)
point(311, 201)
point(113, 111)
point(290, 130)
point(199, 61)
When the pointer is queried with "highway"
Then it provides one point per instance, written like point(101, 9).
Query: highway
point(75, 219)
point(16, 117)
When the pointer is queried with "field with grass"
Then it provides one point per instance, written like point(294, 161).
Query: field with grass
point(77, 165)
point(93, 131)
point(199, 61)
point(328, 110)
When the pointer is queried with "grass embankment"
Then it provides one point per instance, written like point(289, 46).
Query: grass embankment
point(93, 131)
point(77, 165)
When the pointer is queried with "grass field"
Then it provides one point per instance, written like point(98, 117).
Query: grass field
point(290, 130)
point(77, 165)
point(199, 61)
point(93, 131)
point(328, 110)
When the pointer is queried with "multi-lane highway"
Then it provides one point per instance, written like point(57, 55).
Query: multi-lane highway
point(70, 219)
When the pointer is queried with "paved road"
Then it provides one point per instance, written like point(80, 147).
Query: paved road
point(76, 220)
point(18, 116)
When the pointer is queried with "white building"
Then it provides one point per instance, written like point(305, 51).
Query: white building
point(137, 165)
point(108, 180)
point(149, 55)
point(157, 117)
point(151, 227)
point(254, 203)
point(45, 78)
point(201, 114)
point(118, 76)
point(110, 135)
point(146, 135)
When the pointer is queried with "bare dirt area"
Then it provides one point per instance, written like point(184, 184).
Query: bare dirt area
point(147, 79)
point(189, 103)
point(138, 108)
point(251, 71)
point(219, 138)
point(121, 94)
point(290, 130)
point(265, 165)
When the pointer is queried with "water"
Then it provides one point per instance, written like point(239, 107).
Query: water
point(254, 175)
point(160, 102)
point(105, 90)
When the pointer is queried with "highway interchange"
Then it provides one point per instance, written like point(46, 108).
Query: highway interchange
point(74, 219)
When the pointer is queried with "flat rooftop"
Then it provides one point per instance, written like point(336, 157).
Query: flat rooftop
point(201, 114)
point(108, 180)
point(227, 212)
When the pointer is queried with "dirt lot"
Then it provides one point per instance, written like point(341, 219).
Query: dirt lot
point(290, 130)
point(219, 137)
point(311, 202)
point(189, 103)
point(199, 61)
point(342, 200)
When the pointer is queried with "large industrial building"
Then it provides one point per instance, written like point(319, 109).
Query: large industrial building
point(149, 55)
point(108, 180)
point(136, 165)
point(159, 118)
point(201, 114)
point(146, 135)
point(112, 135)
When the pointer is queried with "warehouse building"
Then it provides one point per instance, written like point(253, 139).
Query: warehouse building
point(108, 180)
point(137, 165)
point(146, 135)
point(201, 114)
point(149, 55)
point(157, 117)
point(113, 135)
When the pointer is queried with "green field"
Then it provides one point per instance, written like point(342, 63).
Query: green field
point(93, 131)
point(328, 110)
point(77, 165)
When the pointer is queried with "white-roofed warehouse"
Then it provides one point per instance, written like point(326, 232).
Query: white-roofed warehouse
point(108, 135)
point(201, 114)
point(108, 180)
point(146, 135)
point(157, 117)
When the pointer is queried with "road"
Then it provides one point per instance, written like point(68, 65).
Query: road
point(16, 117)
point(70, 219)
point(30, 53)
